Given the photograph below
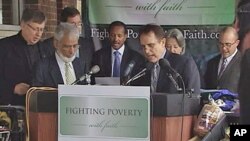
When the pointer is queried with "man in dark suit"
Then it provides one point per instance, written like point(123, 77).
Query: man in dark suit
point(63, 67)
point(19, 53)
point(105, 57)
point(244, 88)
point(152, 40)
point(223, 71)
point(86, 48)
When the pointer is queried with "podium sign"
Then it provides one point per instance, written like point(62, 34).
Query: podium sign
point(103, 113)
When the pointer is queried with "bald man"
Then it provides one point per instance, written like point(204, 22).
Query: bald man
point(223, 71)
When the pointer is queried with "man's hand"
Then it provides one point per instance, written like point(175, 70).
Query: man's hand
point(21, 88)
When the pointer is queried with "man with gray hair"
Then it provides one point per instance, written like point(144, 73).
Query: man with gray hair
point(63, 67)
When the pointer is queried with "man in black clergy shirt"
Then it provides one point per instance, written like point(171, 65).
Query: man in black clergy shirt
point(18, 55)
point(152, 40)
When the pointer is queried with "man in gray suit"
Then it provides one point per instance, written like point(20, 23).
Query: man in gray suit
point(63, 67)
point(223, 71)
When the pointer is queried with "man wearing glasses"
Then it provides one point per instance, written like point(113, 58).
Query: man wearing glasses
point(223, 71)
point(18, 55)
point(63, 67)
point(86, 49)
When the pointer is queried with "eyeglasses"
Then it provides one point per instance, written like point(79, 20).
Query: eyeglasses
point(77, 24)
point(227, 45)
point(69, 46)
point(36, 29)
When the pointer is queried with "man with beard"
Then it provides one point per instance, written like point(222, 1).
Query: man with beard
point(115, 58)
point(18, 55)
point(63, 67)
point(86, 47)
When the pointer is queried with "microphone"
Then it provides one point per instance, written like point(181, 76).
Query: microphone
point(166, 66)
point(95, 69)
point(127, 72)
point(140, 74)
point(129, 68)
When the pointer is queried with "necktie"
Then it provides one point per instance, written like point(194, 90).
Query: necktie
point(222, 68)
point(117, 62)
point(154, 77)
point(68, 74)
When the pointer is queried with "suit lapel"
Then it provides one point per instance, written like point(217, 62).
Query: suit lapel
point(125, 59)
point(108, 63)
point(215, 69)
point(78, 68)
point(230, 65)
point(55, 71)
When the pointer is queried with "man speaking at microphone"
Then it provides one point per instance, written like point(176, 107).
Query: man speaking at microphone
point(63, 67)
point(152, 40)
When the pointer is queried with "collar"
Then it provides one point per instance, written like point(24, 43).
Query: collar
point(120, 50)
point(22, 38)
point(230, 57)
point(60, 62)
point(163, 54)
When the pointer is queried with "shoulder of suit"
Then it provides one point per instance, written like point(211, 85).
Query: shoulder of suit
point(177, 56)
point(215, 58)
point(10, 39)
point(48, 40)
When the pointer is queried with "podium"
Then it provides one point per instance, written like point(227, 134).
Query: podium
point(173, 116)
point(43, 109)
point(169, 122)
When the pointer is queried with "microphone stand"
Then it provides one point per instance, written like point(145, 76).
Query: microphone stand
point(182, 103)
point(170, 76)
point(125, 79)
point(183, 91)
point(135, 77)
point(88, 79)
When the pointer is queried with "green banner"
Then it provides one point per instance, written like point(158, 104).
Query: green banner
point(163, 12)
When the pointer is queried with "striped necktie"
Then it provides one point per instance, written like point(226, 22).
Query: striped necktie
point(223, 66)
point(154, 77)
point(68, 74)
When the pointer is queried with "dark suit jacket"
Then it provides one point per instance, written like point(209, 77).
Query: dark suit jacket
point(103, 59)
point(188, 70)
point(244, 89)
point(185, 66)
point(86, 49)
point(230, 77)
point(47, 72)
point(15, 67)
